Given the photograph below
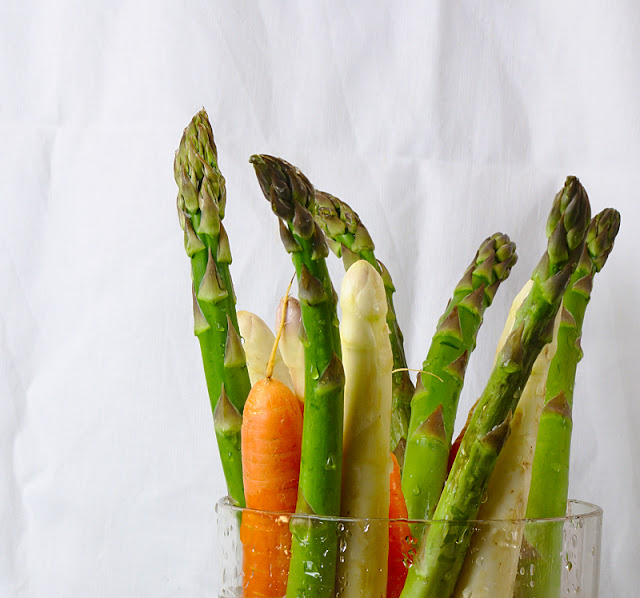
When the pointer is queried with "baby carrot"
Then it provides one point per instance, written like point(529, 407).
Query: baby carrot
point(400, 540)
point(271, 441)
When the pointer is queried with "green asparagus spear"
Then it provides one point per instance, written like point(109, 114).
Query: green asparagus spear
point(435, 402)
point(550, 474)
point(491, 563)
point(349, 239)
point(440, 556)
point(201, 204)
point(314, 546)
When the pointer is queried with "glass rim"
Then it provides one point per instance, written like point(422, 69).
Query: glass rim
point(588, 511)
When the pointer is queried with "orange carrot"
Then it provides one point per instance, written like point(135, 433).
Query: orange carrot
point(400, 540)
point(271, 442)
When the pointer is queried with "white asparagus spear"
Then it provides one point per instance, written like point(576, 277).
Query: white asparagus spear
point(367, 361)
point(258, 344)
point(490, 568)
point(291, 346)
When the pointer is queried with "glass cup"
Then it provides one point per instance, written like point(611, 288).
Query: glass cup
point(529, 558)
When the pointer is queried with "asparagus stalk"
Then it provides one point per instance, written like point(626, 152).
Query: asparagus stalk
point(435, 402)
point(508, 326)
point(314, 546)
point(489, 569)
point(201, 204)
point(550, 476)
point(367, 358)
point(348, 238)
point(258, 345)
point(437, 564)
point(291, 345)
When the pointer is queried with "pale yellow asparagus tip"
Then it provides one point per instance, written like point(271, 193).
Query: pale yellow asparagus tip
point(274, 350)
point(368, 361)
point(258, 344)
point(291, 347)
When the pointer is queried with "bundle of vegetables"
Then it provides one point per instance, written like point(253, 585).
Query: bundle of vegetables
point(322, 421)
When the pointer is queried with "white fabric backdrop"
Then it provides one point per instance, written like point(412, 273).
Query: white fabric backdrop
point(440, 122)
